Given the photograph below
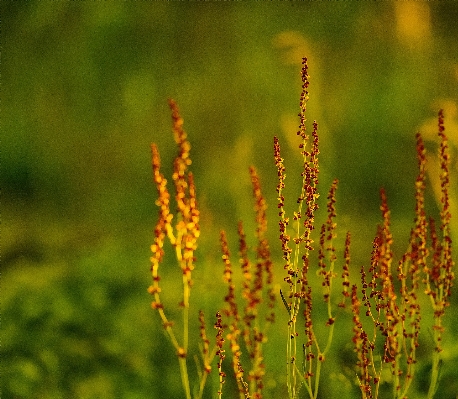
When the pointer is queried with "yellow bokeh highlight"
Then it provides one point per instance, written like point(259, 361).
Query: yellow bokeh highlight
point(413, 22)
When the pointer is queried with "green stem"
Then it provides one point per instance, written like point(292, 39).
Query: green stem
point(185, 314)
point(184, 376)
point(305, 382)
point(182, 359)
point(330, 337)
point(317, 379)
point(434, 375)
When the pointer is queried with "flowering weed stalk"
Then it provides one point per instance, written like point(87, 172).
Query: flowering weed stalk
point(257, 290)
point(383, 299)
point(183, 237)
point(396, 313)
point(304, 364)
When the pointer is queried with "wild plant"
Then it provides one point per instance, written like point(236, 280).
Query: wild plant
point(383, 298)
point(183, 237)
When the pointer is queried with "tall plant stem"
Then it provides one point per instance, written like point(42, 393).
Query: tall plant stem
point(184, 376)
point(182, 359)
point(434, 375)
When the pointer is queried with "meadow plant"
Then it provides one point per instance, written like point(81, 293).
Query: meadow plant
point(383, 298)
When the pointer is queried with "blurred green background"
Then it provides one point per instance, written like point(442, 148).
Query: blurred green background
point(84, 92)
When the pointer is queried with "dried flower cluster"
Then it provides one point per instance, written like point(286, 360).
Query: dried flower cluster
point(298, 259)
point(396, 313)
point(257, 289)
point(183, 237)
point(383, 299)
